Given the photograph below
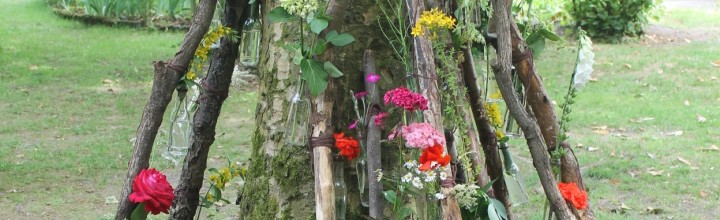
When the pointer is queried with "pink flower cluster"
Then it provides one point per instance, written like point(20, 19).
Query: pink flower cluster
point(422, 135)
point(380, 117)
point(403, 97)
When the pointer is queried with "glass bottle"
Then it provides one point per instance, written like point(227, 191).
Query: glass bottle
point(181, 129)
point(340, 189)
point(250, 42)
point(513, 180)
point(296, 125)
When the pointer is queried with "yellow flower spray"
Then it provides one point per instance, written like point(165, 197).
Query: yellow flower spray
point(202, 51)
point(433, 21)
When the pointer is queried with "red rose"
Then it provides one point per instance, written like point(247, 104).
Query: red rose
point(571, 192)
point(151, 187)
point(433, 157)
point(348, 146)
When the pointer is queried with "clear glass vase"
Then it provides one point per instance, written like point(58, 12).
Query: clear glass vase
point(363, 184)
point(513, 180)
point(250, 42)
point(181, 129)
point(296, 124)
point(340, 189)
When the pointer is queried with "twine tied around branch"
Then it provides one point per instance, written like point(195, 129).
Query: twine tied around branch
point(325, 140)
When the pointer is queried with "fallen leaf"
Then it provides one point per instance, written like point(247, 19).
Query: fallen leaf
point(654, 211)
point(627, 65)
point(641, 120)
point(615, 182)
point(713, 78)
point(683, 160)
point(700, 118)
point(652, 156)
point(711, 148)
point(656, 172)
point(687, 102)
point(688, 40)
point(579, 145)
point(591, 149)
point(703, 194)
point(700, 79)
point(33, 67)
point(107, 82)
point(111, 200)
point(716, 63)
point(601, 129)
point(673, 133)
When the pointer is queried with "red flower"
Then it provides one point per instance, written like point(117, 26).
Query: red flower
point(571, 192)
point(348, 146)
point(433, 157)
point(151, 187)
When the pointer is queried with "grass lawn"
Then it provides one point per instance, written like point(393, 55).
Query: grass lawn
point(71, 97)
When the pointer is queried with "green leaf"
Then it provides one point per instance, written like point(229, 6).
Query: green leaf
point(215, 192)
point(549, 35)
point(536, 42)
point(391, 197)
point(499, 208)
point(279, 14)
point(139, 213)
point(487, 186)
point(332, 70)
point(213, 170)
point(314, 75)
point(492, 213)
point(339, 39)
point(320, 47)
point(318, 24)
point(404, 212)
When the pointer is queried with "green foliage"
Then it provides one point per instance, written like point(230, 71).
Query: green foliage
point(129, 9)
point(610, 19)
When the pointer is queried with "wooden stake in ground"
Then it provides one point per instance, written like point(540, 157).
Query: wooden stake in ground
point(165, 78)
point(372, 140)
point(215, 88)
point(501, 67)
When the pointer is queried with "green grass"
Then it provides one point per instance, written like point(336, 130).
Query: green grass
point(642, 81)
point(65, 138)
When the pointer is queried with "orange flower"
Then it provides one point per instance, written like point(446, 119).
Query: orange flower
point(348, 146)
point(433, 157)
point(571, 192)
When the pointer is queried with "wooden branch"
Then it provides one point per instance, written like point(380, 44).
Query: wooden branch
point(424, 60)
point(487, 133)
point(501, 67)
point(215, 88)
point(166, 76)
point(372, 141)
point(321, 119)
point(570, 172)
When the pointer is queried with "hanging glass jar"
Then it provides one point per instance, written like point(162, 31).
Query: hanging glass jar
point(340, 189)
point(296, 125)
point(363, 184)
point(250, 42)
point(180, 127)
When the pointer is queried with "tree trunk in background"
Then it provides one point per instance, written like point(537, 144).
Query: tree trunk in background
point(280, 182)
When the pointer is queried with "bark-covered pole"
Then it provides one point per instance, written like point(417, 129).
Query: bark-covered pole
point(165, 78)
point(501, 67)
point(215, 88)
point(424, 61)
point(487, 134)
point(372, 140)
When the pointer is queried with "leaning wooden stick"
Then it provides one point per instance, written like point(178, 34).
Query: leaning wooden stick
point(487, 134)
point(425, 65)
point(372, 140)
point(215, 87)
point(501, 67)
point(166, 76)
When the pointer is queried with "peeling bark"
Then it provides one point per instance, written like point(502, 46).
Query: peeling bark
point(166, 76)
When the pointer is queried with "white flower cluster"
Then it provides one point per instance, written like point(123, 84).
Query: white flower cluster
point(301, 8)
point(584, 65)
point(466, 195)
point(419, 178)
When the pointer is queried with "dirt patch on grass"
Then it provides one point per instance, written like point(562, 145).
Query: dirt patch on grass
point(656, 34)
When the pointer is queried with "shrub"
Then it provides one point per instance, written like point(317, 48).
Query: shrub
point(611, 19)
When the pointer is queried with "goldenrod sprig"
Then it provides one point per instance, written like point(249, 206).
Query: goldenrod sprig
point(202, 51)
point(433, 21)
